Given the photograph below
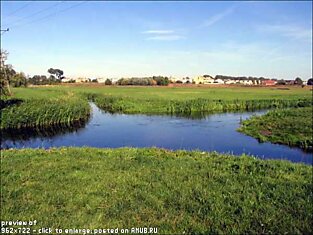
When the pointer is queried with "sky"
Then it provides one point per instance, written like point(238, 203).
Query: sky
point(184, 38)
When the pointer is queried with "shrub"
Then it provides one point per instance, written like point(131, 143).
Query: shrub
point(108, 82)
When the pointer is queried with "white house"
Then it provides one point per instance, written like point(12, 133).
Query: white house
point(230, 81)
point(67, 80)
point(101, 80)
point(219, 81)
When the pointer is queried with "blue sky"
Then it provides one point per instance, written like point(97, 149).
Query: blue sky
point(123, 39)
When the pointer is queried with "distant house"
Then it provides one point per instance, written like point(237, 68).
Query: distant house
point(268, 82)
point(186, 80)
point(101, 80)
point(256, 82)
point(68, 80)
point(81, 80)
point(219, 81)
point(198, 80)
point(180, 80)
point(204, 80)
point(173, 79)
point(289, 82)
point(230, 81)
point(246, 82)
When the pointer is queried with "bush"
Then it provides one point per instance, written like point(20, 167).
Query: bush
point(161, 81)
point(108, 82)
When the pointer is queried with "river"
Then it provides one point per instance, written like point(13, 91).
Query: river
point(214, 132)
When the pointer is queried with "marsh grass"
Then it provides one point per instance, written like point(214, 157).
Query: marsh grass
point(151, 105)
point(292, 127)
point(31, 113)
point(177, 192)
point(54, 105)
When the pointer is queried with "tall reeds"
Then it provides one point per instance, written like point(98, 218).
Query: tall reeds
point(40, 113)
point(130, 105)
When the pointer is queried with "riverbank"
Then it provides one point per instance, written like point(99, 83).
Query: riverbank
point(189, 107)
point(291, 127)
point(36, 112)
point(179, 191)
point(51, 105)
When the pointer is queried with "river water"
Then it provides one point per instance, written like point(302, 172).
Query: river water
point(215, 132)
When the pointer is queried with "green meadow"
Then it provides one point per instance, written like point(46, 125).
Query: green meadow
point(169, 93)
point(69, 103)
point(177, 192)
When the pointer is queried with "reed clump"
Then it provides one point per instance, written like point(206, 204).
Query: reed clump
point(135, 105)
point(32, 113)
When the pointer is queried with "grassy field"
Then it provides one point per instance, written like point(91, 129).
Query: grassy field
point(170, 93)
point(173, 100)
point(290, 126)
point(43, 109)
point(177, 192)
point(54, 105)
point(187, 93)
point(188, 107)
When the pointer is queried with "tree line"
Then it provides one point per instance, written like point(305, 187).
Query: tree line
point(146, 81)
point(9, 77)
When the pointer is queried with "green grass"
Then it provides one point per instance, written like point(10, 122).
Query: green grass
point(290, 126)
point(191, 192)
point(40, 112)
point(187, 93)
point(174, 100)
point(170, 93)
point(52, 105)
point(153, 106)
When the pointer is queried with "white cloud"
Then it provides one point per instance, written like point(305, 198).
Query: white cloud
point(172, 37)
point(290, 31)
point(158, 32)
point(163, 35)
point(216, 18)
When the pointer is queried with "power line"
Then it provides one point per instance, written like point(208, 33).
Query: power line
point(17, 10)
point(50, 15)
point(34, 14)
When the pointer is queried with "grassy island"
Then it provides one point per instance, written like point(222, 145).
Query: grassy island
point(292, 127)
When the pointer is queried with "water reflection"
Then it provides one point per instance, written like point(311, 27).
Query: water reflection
point(22, 136)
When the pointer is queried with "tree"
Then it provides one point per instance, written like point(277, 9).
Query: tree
point(18, 80)
point(161, 81)
point(57, 72)
point(281, 82)
point(6, 73)
point(310, 82)
point(298, 81)
point(108, 82)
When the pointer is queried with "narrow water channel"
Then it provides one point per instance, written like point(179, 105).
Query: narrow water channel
point(215, 132)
